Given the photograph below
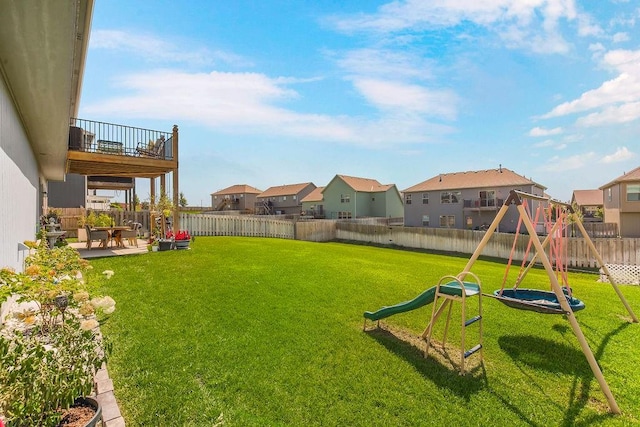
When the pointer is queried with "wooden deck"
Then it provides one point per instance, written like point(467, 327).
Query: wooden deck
point(87, 163)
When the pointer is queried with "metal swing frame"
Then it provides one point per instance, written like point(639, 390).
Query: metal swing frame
point(515, 197)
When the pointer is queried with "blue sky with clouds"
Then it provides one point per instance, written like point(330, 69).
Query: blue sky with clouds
point(282, 92)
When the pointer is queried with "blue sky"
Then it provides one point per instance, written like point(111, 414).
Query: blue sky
point(282, 92)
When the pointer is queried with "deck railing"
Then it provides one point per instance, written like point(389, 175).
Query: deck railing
point(108, 138)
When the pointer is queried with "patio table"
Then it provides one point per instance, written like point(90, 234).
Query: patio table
point(114, 233)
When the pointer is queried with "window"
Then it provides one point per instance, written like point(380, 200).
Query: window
point(407, 199)
point(295, 197)
point(345, 198)
point(487, 198)
point(450, 197)
point(284, 198)
point(447, 221)
point(633, 192)
point(425, 198)
point(609, 194)
point(425, 220)
point(344, 215)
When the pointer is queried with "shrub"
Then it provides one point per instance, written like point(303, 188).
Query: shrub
point(49, 351)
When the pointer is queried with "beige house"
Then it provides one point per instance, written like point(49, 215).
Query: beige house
point(312, 203)
point(621, 199)
point(283, 199)
point(588, 202)
point(240, 197)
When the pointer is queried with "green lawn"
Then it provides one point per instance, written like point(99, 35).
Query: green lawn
point(269, 332)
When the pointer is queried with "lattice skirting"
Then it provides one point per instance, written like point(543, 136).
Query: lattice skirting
point(627, 274)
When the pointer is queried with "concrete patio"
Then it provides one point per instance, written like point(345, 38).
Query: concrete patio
point(96, 252)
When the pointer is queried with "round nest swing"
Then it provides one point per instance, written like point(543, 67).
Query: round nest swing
point(536, 300)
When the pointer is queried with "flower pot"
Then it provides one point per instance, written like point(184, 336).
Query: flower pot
point(182, 244)
point(154, 248)
point(81, 404)
point(165, 245)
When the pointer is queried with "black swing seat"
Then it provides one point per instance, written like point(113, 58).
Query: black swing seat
point(536, 300)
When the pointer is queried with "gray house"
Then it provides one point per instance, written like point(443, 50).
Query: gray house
point(283, 199)
point(240, 197)
point(622, 203)
point(466, 200)
point(347, 197)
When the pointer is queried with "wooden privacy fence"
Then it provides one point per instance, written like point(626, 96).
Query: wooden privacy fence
point(228, 225)
point(614, 251)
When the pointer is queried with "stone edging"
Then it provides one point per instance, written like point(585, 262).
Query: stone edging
point(111, 416)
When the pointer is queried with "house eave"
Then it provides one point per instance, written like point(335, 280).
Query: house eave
point(43, 46)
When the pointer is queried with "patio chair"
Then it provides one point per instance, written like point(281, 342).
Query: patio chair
point(152, 149)
point(93, 235)
point(131, 235)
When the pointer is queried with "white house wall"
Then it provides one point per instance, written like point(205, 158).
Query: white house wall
point(19, 184)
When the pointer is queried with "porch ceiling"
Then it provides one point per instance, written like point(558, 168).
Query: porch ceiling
point(112, 165)
point(42, 52)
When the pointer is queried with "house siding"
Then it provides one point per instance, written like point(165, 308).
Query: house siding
point(68, 194)
point(19, 184)
point(286, 203)
point(361, 203)
point(332, 204)
point(465, 218)
point(620, 211)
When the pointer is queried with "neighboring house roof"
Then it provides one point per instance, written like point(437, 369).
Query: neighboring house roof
point(237, 189)
point(314, 196)
point(501, 177)
point(634, 175)
point(587, 197)
point(364, 185)
point(284, 190)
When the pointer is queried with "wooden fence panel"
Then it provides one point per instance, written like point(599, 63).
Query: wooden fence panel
point(234, 225)
point(615, 251)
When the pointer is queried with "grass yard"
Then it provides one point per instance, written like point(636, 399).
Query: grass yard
point(268, 332)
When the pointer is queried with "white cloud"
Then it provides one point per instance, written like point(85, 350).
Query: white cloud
point(385, 63)
point(577, 161)
point(154, 49)
point(407, 98)
point(532, 24)
point(612, 115)
point(544, 144)
point(620, 37)
point(538, 131)
point(621, 154)
point(615, 101)
point(250, 103)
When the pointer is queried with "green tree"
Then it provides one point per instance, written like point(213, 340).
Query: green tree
point(183, 200)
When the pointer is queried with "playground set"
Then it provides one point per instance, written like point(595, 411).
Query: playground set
point(558, 300)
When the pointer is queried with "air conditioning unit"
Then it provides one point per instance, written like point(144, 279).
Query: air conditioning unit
point(76, 138)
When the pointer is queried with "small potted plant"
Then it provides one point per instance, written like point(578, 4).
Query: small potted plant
point(181, 239)
point(164, 206)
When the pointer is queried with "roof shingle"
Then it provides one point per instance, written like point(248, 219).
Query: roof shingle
point(284, 190)
point(237, 189)
point(501, 177)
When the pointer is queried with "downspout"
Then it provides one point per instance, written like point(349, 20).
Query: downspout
point(355, 204)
